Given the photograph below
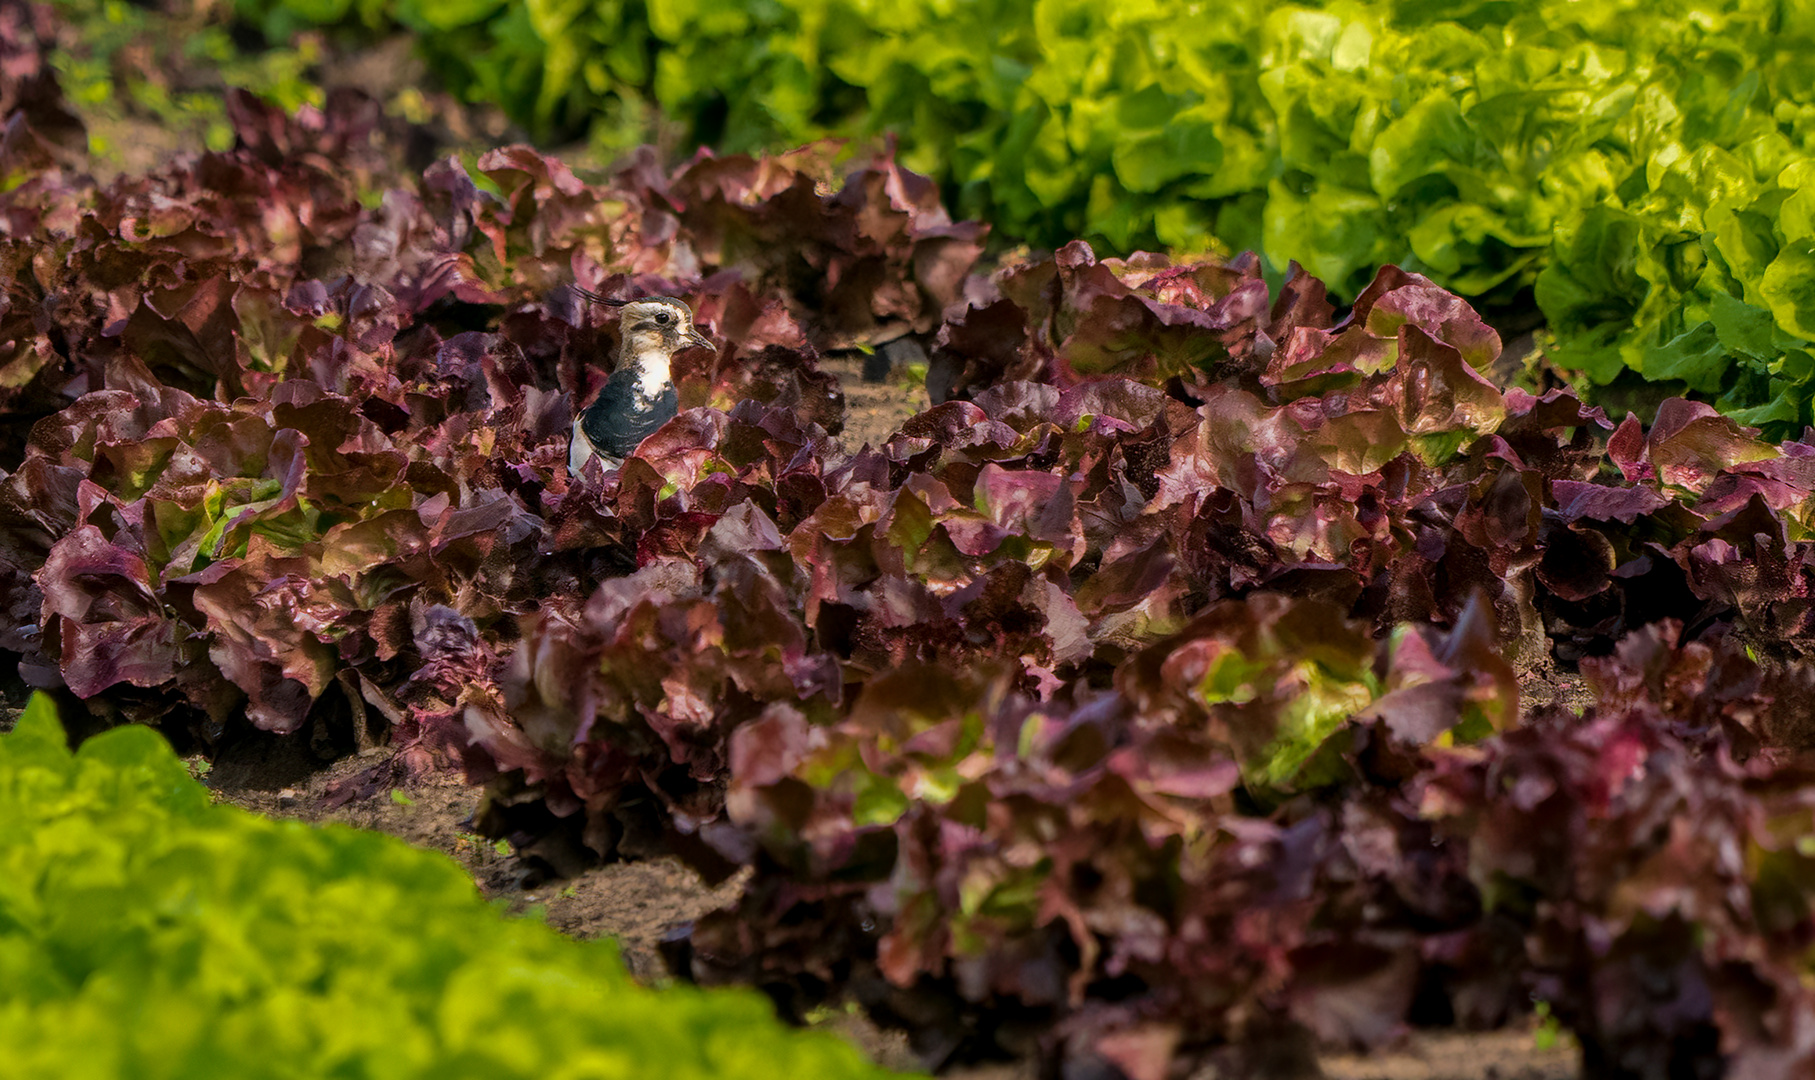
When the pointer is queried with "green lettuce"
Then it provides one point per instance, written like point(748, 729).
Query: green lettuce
point(148, 932)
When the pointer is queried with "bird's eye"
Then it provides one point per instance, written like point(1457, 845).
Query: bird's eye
point(663, 318)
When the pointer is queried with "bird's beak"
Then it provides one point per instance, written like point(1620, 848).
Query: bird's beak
point(694, 337)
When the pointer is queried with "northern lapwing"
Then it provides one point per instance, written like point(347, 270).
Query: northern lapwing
point(639, 396)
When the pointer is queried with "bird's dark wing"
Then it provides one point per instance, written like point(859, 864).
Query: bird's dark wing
point(620, 418)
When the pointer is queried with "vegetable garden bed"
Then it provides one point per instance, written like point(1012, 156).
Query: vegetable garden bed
point(1209, 670)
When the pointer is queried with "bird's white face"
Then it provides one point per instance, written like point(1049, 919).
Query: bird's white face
point(657, 328)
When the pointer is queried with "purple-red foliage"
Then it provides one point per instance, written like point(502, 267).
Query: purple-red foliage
point(290, 460)
point(1153, 694)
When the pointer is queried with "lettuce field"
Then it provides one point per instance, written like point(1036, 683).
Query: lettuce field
point(1226, 662)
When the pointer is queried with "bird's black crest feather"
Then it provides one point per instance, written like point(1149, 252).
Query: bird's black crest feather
point(597, 298)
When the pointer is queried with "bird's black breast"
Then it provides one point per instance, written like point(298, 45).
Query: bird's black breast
point(621, 418)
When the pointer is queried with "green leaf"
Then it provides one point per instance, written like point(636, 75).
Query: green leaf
point(444, 15)
point(1334, 233)
point(1427, 139)
point(1747, 244)
point(1788, 288)
point(1742, 328)
point(320, 12)
point(880, 802)
point(1324, 705)
point(1697, 357)
point(1781, 409)
point(38, 736)
point(1148, 163)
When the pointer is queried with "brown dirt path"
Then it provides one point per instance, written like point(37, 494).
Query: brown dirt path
point(873, 411)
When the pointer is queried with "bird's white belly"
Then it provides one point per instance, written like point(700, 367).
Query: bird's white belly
point(580, 450)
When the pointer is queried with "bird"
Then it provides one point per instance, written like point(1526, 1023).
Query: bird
point(639, 396)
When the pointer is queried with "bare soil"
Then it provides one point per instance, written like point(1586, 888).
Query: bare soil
point(634, 903)
point(873, 410)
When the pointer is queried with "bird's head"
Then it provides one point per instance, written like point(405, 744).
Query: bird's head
point(655, 325)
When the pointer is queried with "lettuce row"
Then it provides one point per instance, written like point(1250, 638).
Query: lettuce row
point(1646, 165)
point(147, 932)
